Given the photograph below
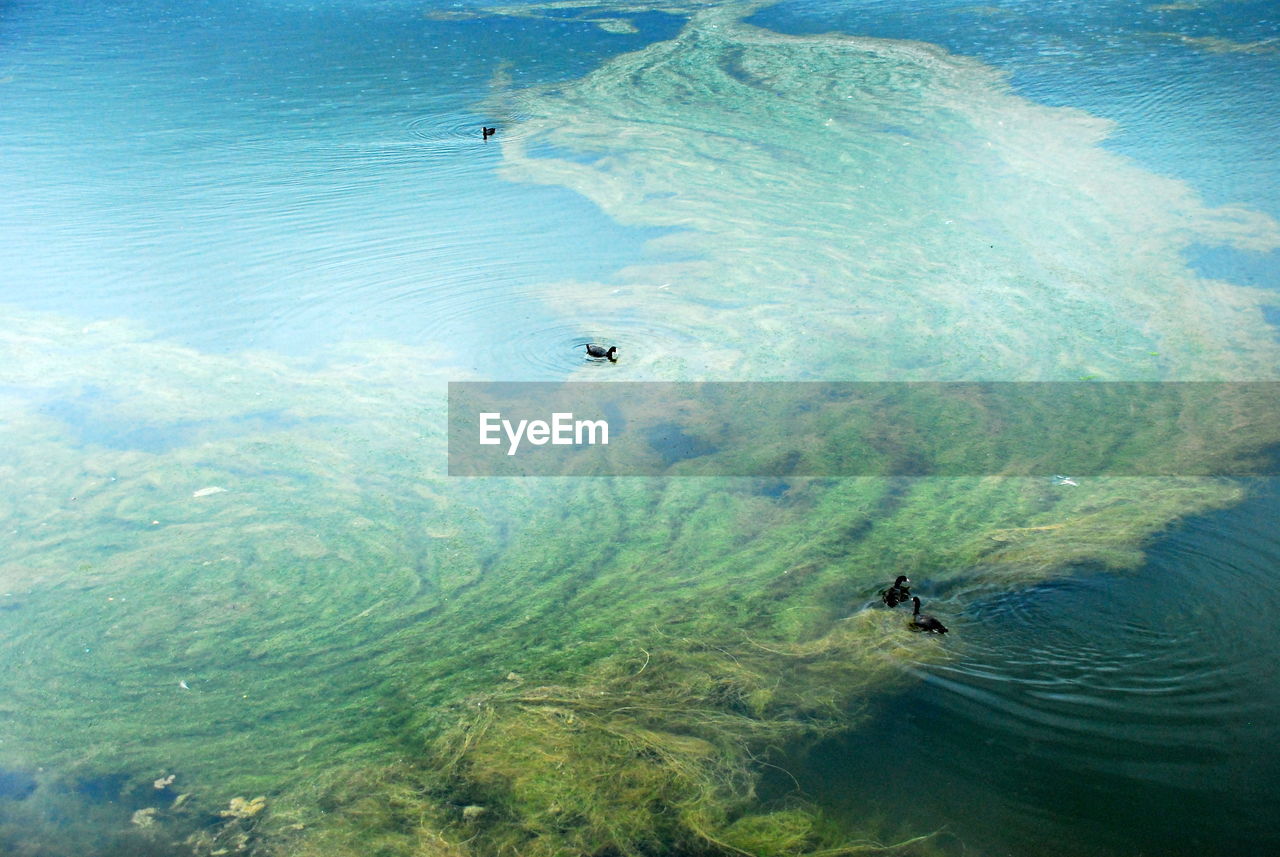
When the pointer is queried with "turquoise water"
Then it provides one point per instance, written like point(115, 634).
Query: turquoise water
point(1194, 88)
point(243, 246)
point(165, 159)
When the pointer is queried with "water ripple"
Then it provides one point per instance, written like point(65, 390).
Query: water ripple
point(1149, 678)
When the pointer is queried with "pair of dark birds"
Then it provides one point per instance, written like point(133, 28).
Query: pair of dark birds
point(899, 593)
point(600, 351)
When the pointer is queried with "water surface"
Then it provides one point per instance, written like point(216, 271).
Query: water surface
point(245, 245)
point(1093, 715)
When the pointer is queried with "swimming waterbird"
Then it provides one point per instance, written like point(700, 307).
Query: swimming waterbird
point(601, 351)
point(923, 621)
point(896, 594)
point(487, 132)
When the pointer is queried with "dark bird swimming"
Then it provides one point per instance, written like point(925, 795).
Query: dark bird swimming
point(923, 621)
point(896, 594)
point(601, 351)
point(487, 132)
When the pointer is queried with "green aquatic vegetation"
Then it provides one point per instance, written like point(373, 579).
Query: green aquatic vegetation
point(653, 750)
point(602, 663)
point(655, 755)
point(405, 664)
point(1219, 45)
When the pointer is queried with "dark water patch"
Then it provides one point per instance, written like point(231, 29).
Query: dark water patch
point(93, 416)
point(1242, 267)
point(544, 149)
point(614, 415)
point(1272, 316)
point(130, 844)
point(673, 445)
point(16, 785)
point(734, 68)
point(106, 788)
point(93, 817)
point(774, 488)
point(1097, 715)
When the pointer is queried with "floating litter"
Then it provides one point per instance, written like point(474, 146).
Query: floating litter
point(205, 492)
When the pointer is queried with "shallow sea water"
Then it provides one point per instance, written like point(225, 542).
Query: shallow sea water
point(243, 246)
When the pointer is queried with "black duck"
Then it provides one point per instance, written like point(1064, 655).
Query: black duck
point(925, 622)
point(896, 594)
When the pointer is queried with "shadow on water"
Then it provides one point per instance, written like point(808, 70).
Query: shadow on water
point(101, 816)
point(670, 442)
point(1272, 315)
point(1099, 715)
point(1243, 267)
point(16, 785)
point(95, 420)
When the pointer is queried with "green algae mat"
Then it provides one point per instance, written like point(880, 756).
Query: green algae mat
point(243, 610)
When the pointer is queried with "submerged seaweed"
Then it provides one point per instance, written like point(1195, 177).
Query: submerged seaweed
point(403, 664)
point(471, 667)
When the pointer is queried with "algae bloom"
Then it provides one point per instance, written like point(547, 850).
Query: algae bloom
point(396, 662)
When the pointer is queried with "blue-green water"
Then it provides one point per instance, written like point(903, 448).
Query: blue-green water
point(1194, 88)
point(242, 245)
point(313, 171)
point(1094, 715)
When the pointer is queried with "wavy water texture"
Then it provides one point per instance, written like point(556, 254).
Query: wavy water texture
point(375, 647)
point(406, 664)
point(871, 209)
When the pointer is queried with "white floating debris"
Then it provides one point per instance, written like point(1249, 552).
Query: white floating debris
point(1065, 480)
point(183, 684)
point(205, 492)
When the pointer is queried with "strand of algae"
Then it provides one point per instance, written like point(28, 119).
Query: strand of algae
point(656, 758)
